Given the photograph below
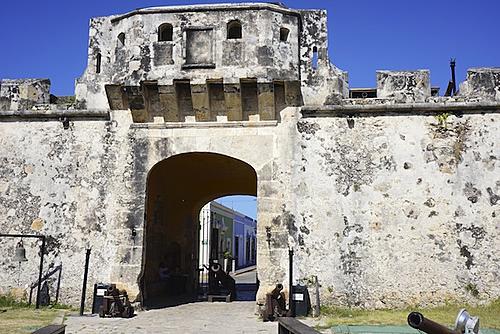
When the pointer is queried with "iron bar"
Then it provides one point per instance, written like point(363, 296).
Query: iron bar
point(46, 277)
point(291, 304)
point(42, 250)
point(452, 66)
point(58, 286)
point(84, 287)
point(417, 321)
point(40, 274)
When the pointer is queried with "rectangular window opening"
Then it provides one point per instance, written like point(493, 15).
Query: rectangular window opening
point(315, 58)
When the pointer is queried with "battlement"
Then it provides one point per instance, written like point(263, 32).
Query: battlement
point(181, 48)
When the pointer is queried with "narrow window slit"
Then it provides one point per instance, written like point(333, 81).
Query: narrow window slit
point(234, 30)
point(315, 58)
point(165, 32)
point(284, 34)
point(98, 63)
point(121, 39)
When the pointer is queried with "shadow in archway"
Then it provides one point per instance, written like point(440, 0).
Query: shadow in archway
point(177, 189)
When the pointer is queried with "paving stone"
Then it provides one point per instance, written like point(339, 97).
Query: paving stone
point(202, 317)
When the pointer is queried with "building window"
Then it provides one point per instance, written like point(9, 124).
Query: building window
point(121, 39)
point(315, 58)
point(165, 32)
point(234, 30)
point(284, 34)
point(98, 63)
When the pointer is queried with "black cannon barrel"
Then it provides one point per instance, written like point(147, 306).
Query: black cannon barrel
point(417, 321)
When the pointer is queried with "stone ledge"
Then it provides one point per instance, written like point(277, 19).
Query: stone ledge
point(54, 114)
point(400, 108)
point(207, 8)
point(180, 125)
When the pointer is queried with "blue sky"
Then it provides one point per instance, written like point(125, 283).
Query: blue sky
point(243, 204)
point(49, 38)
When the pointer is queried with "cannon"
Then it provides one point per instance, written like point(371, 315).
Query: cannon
point(275, 304)
point(464, 324)
point(220, 283)
point(116, 304)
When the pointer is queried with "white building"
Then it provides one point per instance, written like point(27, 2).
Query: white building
point(226, 233)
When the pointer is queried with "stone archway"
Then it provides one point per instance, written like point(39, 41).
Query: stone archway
point(177, 188)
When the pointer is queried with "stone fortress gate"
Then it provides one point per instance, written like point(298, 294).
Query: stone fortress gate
point(391, 196)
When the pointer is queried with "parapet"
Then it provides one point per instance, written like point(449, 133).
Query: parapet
point(482, 83)
point(400, 87)
point(205, 61)
point(404, 86)
point(23, 94)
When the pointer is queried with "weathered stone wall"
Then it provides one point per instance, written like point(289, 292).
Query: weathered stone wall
point(125, 51)
point(390, 201)
point(22, 94)
point(386, 210)
point(63, 184)
point(398, 210)
point(259, 53)
point(86, 187)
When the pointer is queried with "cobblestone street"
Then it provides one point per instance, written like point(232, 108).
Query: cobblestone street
point(201, 317)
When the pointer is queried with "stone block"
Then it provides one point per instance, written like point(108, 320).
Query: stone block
point(233, 52)
point(168, 102)
point(184, 100)
point(482, 82)
point(116, 99)
point(232, 100)
point(152, 100)
point(293, 94)
point(265, 93)
point(249, 99)
point(163, 53)
point(201, 103)
point(217, 100)
point(404, 86)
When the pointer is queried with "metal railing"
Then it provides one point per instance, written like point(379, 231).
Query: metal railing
point(57, 269)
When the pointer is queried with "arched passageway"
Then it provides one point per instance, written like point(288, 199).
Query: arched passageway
point(177, 188)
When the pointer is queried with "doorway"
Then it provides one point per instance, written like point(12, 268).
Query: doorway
point(225, 224)
point(177, 189)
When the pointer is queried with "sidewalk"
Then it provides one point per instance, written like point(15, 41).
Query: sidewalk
point(244, 270)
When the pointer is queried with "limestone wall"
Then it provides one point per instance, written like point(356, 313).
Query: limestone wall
point(398, 209)
point(86, 186)
point(388, 210)
point(198, 50)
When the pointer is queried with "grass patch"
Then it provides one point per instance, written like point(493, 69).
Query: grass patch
point(18, 317)
point(489, 315)
point(8, 301)
point(25, 320)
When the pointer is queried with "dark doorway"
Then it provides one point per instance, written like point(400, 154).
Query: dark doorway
point(177, 189)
